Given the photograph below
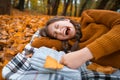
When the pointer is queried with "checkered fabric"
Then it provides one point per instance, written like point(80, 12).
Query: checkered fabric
point(93, 75)
point(19, 68)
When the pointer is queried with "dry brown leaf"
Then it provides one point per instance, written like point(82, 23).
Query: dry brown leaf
point(9, 51)
point(3, 42)
point(20, 47)
point(103, 69)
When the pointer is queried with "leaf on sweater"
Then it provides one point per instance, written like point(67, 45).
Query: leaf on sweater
point(103, 69)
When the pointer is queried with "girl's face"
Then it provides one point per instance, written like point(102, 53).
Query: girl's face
point(62, 30)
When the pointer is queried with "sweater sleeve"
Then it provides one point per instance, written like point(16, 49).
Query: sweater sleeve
point(106, 44)
point(105, 17)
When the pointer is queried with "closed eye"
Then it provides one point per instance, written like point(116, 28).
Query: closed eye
point(57, 26)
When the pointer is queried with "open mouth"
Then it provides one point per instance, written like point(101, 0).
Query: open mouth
point(67, 31)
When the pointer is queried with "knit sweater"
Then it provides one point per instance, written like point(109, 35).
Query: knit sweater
point(101, 34)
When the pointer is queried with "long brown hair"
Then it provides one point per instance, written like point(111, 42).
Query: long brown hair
point(66, 46)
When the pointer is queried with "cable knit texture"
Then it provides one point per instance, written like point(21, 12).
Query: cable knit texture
point(104, 42)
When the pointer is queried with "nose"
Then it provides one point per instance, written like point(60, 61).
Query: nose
point(58, 31)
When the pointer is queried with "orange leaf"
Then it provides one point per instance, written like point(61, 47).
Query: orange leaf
point(51, 63)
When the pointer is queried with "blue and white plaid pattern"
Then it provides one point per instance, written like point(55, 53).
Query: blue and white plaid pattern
point(93, 75)
point(19, 69)
point(16, 67)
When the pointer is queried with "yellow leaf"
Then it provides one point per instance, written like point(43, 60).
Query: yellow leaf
point(52, 63)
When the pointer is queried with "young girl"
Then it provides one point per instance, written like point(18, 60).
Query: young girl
point(96, 38)
point(100, 40)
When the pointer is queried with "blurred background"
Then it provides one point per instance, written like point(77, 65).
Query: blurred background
point(58, 7)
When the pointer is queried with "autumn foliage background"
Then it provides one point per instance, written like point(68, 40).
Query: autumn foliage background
point(16, 31)
point(17, 28)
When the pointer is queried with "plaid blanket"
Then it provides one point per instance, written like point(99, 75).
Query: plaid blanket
point(23, 68)
point(16, 67)
point(19, 68)
point(93, 75)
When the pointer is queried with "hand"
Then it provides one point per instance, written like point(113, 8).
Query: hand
point(77, 58)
